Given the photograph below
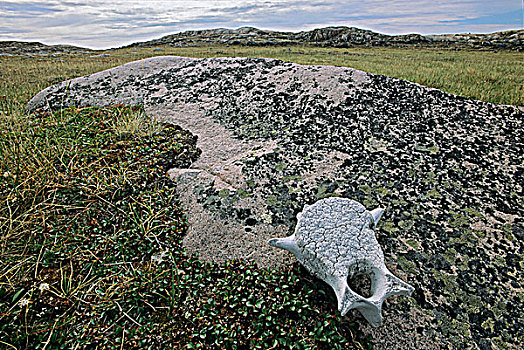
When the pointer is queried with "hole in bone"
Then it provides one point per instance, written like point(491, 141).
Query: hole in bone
point(360, 282)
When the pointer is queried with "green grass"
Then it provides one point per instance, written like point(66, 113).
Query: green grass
point(90, 245)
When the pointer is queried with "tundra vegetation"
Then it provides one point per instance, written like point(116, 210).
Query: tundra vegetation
point(90, 227)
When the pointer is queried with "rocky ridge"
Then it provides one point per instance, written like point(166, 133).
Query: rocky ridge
point(276, 136)
point(340, 37)
point(9, 48)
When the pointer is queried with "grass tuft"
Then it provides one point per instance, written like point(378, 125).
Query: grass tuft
point(135, 123)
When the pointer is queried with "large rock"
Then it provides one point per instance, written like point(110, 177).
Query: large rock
point(276, 136)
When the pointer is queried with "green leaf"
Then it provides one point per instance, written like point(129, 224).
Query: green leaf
point(17, 294)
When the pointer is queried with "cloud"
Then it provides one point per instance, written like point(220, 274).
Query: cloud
point(511, 17)
point(26, 8)
point(105, 23)
point(8, 30)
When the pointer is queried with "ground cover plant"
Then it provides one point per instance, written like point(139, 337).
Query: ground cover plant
point(92, 255)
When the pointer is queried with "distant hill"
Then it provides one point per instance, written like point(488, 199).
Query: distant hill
point(339, 37)
point(36, 48)
point(324, 37)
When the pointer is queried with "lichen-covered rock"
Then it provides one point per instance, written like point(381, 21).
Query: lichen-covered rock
point(334, 240)
point(276, 136)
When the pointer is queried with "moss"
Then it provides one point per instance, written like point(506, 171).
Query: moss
point(406, 224)
point(271, 201)
point(450, 255)
point(479, 234)
point(445, 324)
point(474, 212)
point(488, 325)
point(499, 343)
point(243, 194)
point(287, 179)
point(449, 280)
point(459, 220)
point(365, 188)
point(431, 178)
point(390, 227)
point(383, 191)
point(370, 203)
point(470, 238)
point(398, 202)
point(407, 265)
point(499, 309)
point(499, 261)
point(433, 193)
point(472, 303)
point(292, 190)
point(325, 191)
point(461, 326)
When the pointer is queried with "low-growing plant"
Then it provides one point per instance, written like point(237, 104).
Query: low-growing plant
point(136, 123)
point(92, 252)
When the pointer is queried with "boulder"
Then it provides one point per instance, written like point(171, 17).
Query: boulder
point(276, 136)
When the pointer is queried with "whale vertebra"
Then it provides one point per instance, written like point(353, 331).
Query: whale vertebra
point(334, 239)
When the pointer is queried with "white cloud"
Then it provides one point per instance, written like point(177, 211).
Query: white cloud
point(106, 23)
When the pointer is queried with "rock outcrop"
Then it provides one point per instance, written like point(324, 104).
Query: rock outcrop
point(276, 136)
point(343, 37)
point(340, 37)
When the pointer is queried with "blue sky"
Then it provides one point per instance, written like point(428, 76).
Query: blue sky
point(112, 23)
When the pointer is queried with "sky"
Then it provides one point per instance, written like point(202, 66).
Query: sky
point(102, 24)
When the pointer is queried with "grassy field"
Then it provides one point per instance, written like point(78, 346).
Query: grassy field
point(486, 76)
point(90, 229)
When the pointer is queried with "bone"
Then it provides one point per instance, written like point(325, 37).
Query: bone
point(333, 240)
